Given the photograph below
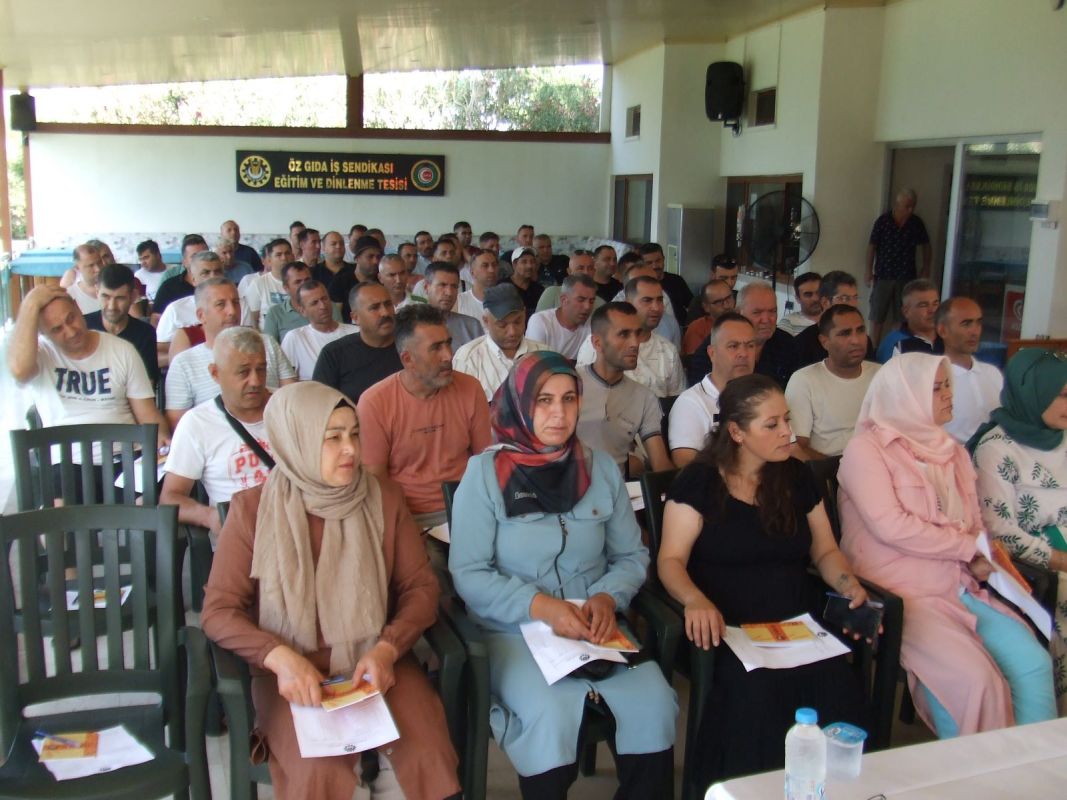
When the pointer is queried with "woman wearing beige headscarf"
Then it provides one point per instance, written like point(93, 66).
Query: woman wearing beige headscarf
point(320, 572)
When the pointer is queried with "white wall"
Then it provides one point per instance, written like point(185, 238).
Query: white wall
point(966, 68)
point(121, 183)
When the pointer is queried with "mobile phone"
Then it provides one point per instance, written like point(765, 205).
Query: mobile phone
point(864, 620)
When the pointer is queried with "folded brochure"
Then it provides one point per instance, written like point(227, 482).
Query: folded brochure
point(558, 656)
point(99, 598)
point(354, 728)
point(822, 645)
point(340, 692)
point(778, 634)
point(83, 753)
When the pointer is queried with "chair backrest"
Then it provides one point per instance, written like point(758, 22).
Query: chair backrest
point(448, 489)
point(665, 406)
point(825, 472)
point(34, 607)
point(224, 510)
point(43, 476)
point(654, 487)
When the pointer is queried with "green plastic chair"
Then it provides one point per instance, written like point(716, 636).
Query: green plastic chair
point(877, 667)
point(146, 660)
point(233, 683)
point(664, 629)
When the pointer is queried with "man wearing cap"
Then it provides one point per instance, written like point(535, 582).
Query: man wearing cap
point(368, 253)
point(489, 358)
point(523, 277)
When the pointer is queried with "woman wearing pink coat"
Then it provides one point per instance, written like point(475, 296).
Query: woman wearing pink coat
point(911, 522)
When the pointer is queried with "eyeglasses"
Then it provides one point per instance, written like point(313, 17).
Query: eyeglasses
point(845, 298)
point(722, 301)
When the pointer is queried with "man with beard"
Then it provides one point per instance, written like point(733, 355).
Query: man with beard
point(116, 296)
point(806, 290)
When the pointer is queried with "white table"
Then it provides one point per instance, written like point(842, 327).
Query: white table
point(1029, 761)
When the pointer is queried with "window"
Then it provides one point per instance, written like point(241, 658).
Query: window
point(633, 208)
point(633, 122)
point(764, 106)
point(741, 192)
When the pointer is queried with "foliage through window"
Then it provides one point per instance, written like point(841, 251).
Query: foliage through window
point(559, 99)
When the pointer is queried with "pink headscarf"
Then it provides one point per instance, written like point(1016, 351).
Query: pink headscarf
point(899, 405)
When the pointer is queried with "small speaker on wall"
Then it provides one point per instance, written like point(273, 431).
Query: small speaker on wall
point(23, 112)
point(724, 91)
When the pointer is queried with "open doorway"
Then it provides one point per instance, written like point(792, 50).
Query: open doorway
point(927, 170)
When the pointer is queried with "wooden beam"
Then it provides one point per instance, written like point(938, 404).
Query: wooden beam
point(6, 244)
point(354, 103)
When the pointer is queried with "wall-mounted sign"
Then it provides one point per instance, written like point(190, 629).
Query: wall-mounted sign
point(999, 192)
point(339, 173)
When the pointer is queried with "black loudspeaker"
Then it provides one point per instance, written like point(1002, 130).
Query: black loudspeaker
point(23, 112)
point(724, 91)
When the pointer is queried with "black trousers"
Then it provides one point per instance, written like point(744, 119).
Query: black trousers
point(641, 777)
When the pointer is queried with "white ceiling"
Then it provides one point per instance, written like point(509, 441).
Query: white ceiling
point(85, 43)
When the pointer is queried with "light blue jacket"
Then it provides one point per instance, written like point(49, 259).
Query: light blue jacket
point(498, 564)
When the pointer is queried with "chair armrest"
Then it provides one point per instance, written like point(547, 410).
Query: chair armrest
point(1045, 583)
point(665, 625)
point(452, 658)
point(198, 690)
point(886, 666)
point(475, 757)
point(234, 687)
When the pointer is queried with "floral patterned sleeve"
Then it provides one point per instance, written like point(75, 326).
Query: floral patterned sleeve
point(998, 475)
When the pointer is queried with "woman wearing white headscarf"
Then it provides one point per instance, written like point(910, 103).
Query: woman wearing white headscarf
point(320, 572)
point(911, 523)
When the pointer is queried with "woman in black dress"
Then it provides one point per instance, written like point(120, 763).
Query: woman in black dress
point(742, 524)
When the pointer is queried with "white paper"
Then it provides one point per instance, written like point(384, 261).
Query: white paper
point(72, 598)
point(439, 532)
point(115, 749)
point(825, 646)
point(1010, 590)
point(138, 483)
point(558, 656)
point(637, 497)
point(352, 729)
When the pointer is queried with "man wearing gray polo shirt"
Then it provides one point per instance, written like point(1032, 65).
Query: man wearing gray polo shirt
point(616, 411)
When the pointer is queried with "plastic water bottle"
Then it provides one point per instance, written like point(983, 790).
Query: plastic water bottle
point(805, 758)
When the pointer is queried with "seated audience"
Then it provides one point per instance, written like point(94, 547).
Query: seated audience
point(242, 253)
point(716, 298)
point(806, 291)
point(117, 294)
point(150, 273)
point(976, 385)
point(283, 317)
point(618, 412)
point(222, 442)
point(368, 254)
point(393, 275)
point(742, 525)
point(78, 375)
point(674, 285)
point(333, 261)
point(825, 398)
point(523, 269)
point(295, 229)
point(1021, 458)
point(85, 289)
point(551, 267)
point(182, 284)
point(776, 355)
point(921, 300)
point(564, 329)
point(442, 289)
point(634, 267)
point(232, 269)
point(490, 241)
point(189, 381)
point(310, 249)
point(489, 358)
point(581, 263)
point(421, 425)
point(911, 523)
point(836, 288)
point(424, 245)
point(523, 239)
point(485, 273)
point(354, 363)
point(658, 364)
point(605, 262)
point(463, 230)
point(303, 345)
point(723, 268)
point(695, 414)
point(320, 572)
point(508, 567)
point(181, 313)
point(262, 291)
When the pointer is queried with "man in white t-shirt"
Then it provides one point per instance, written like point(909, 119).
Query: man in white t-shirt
point(806, 290)
point(152, 267)
point(825, 397)
point(86, 287)
point(564, 329)
point(181, 313)
point(732, 351)
point(78, 375)
point(485, 271)
point(303, 345)
point(261, 291)
point(976, 385)
point(659, 367)
point(206, 446)
point(189, 381)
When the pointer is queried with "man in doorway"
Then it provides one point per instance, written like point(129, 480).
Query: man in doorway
point(825, 398)
point(976, 385)
point(806, 291)
point(303, 345)
point(117, 290)
point(695, 414)
point(564, 329)
point(917, 331)
point(891, 259)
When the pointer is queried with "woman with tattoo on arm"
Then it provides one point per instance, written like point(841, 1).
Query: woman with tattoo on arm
point(742, 524)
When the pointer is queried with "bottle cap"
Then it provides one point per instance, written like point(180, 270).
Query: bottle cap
point(807, 716)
